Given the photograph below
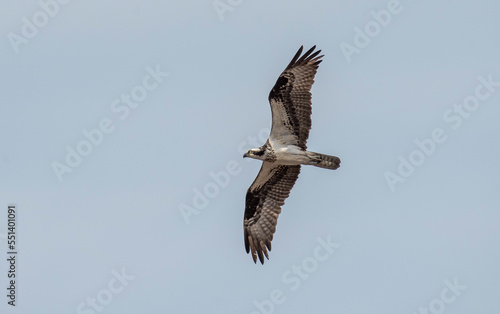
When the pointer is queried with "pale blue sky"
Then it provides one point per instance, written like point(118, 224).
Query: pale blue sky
point(400, 246)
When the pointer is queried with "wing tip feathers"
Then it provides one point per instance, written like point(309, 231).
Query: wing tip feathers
point(309, 57)
point(257, 251)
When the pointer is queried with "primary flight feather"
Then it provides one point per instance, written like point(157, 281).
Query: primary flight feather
point(283, 153)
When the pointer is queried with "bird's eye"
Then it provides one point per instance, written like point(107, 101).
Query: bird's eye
point(249, 152)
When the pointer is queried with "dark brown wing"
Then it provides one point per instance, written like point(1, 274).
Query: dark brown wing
point(264, 199)
point(290, 99)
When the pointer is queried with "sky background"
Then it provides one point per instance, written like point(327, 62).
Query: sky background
point(427, 239)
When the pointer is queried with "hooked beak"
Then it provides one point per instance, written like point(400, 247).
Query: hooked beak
point(245, 155)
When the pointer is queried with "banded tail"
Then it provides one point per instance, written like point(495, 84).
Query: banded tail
point(323, 161)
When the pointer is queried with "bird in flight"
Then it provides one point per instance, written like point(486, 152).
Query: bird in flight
point(283, 153)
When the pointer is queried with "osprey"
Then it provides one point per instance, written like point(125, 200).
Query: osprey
point(283, 153)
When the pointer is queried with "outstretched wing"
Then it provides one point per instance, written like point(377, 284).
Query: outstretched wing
point(290, 100)
point(264, 199)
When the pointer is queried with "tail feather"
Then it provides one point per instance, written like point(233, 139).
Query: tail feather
point(323, 161)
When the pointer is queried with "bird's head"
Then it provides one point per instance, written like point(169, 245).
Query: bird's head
point(255, 153)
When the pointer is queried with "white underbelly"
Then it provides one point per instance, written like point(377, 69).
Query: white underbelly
point(290, 155)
